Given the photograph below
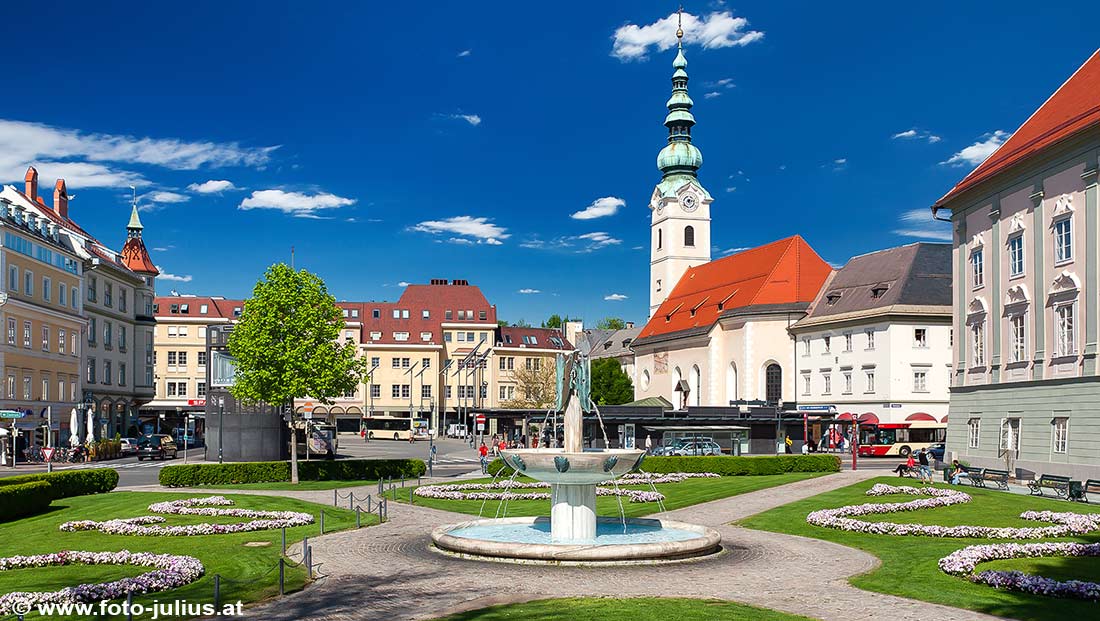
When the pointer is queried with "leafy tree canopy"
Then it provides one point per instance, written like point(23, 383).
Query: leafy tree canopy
point(286, 344)
point(610, 385)
point(558, 322)
point(611, 323)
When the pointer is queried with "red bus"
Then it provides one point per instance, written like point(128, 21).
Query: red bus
point(901, 439)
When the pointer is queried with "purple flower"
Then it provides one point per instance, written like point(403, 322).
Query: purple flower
point(262, 520)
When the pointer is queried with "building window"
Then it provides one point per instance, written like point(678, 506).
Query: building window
point(92, 286)
point(805, 346)
point(45, 394)
point(400, 336)
point(447, 392)
point(848, 341)
point(920, 381)
point(806, 382)
point(689, 236)
point(973, 432)
point(405, 363)
point(200, 389)
point(533, 364)
point(11, 330)
point(122, 338)
point(828, 340)
point(426, 391)
point(27, 387)
point(28, 283)
point(848, 383)
point(920, 337)
point(74, 297)
point(47, 289)
point(60, 389)
point(375, 391)
point(1010, 435)
point(106, 371)
point(1065, 342)
point(425, 336)
point(1018, 336)
point(13, 279)
point(1016, 255)
point(1063, 240)
point(977, 268)
point(121, 374)
point(507, 393)
point(201, 358)
point(107, 334)
point(425, 363)
point(61, 298)
point(108, 296)
point(396, 363)
point(773, 383)
point(977, 344)
point(27, 334)
point(870, 338)
point(171, 358)
point(828, 387)
point(45, 338)
point(1060, 431)
point(660, 238)
point(870, 381)
point(425, 314)
point(91, 370)
point(11, 387)
point(92, 331)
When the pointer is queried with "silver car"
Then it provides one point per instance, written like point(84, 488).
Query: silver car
point(696, 448)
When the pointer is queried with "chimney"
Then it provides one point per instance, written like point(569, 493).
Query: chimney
point(630, 325)
point(60, 199)
point(32, 184)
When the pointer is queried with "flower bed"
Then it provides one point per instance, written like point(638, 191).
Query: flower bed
point(963, 562)
point(484, 491)
point(143, 525)
point(1065, 523)
point(171, 572)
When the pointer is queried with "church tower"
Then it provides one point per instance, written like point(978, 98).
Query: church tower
point(680, 206)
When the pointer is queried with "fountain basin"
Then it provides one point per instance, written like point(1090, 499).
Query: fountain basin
point(529, 538)
point(588, 467)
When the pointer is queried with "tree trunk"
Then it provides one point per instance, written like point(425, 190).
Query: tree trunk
point(293, 447)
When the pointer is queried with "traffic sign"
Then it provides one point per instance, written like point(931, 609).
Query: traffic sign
point(11, 414)
point(307, 410)
point(48, 453)
point(480, 419)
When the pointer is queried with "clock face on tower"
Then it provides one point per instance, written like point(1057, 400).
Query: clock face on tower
point(688, 202)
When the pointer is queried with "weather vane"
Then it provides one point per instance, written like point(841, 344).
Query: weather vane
point(680, 26)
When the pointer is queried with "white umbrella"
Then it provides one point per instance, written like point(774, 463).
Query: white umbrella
point(74, 428)
point(91, 427)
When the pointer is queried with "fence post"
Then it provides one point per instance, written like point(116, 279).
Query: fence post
point(351, 500)
point(322, 522)
point(380, 484)
point(282, 576)
point(357, 525)
point(129, 606)
point(218, 594)
point(284, 540)
point(369, 509)
point(335, 497)
point(411, 501)
point(307, 556)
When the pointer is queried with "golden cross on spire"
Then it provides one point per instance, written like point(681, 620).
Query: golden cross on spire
point(680, 26)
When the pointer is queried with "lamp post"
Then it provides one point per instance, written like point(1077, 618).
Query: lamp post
point(186, 424)
point(442, 415)
point(221, 425)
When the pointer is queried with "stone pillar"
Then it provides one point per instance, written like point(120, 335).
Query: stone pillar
point(1038, 304)
point(1092, 260)
point(574, 426)
point(995, 292)
point(572, 512)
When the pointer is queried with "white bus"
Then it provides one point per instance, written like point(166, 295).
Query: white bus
point(395, 427)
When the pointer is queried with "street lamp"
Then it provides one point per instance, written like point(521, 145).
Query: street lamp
point(221, 425)
point(186, 424)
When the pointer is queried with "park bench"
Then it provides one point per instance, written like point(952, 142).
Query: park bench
point(999, 478)
point(1059, 485)
point(1091, 486)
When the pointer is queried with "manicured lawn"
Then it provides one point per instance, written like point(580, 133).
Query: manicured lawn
point(634, 609)
point(301, 486)
point(677, 495)
point(909, 564)
point(247, 572)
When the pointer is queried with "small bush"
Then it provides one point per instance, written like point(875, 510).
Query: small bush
point(23, 499)
point(279, 471)
point(726, 465)
point(31, 493)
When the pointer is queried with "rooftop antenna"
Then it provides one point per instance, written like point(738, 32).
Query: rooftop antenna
point(680, 27)
point(133, 201)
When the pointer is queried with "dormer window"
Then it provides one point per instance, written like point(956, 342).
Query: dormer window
point(185, 308)
point(236, 311)
point(834, 297)
point(878, 291)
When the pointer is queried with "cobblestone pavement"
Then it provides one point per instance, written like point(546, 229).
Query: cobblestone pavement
point(388, 571)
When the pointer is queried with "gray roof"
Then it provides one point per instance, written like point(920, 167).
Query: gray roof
point(591, 339)
point(914, 275)
point(613, 343)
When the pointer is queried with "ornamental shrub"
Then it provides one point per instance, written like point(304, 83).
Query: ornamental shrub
point(23, 499)
point(726, 465)
point(31, 493)
point(279, 471)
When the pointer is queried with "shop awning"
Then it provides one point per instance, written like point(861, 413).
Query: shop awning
point(845, 416)
point(868, 417)
point(944, 420)
point(921, 416)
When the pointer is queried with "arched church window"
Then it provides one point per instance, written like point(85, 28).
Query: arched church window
point(660, 238)
point(689, 236)
point(773, 383)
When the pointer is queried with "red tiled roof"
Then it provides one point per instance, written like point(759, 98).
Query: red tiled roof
point(533, 338)
point(782, 272)
point(216, 308)
point(1073, 107)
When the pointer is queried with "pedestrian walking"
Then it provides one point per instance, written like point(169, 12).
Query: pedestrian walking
point(788, 445)
point(648, 443)
point(363, 434)
point(924, 468)
point(483, 451)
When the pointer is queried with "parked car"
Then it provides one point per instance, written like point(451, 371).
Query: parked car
point(697, 447)
point(937, 450)
point(156, 447)
point(129, 446)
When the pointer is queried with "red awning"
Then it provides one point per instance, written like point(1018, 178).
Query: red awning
point(845, 416)
point(921, 416)
point(944, 420)
point(868, 417)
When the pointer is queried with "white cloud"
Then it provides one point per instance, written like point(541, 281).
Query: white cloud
point(723, 83)
point(465, 53)
point(597, 240)
point(731, 188)
point(213, 186)
point(840, 161)
point(587, 242)
point(297, 204)
point(711, 95)
point(919, 223)
point(153, 201)
point(606, 206)
point(917, 134)
point(163, 248)
point(90, 159)
point(166, 276)
point(729, 251)
point(403, 284)
point(977, 153)
point(615, 297)
point(469, 229)
point(472, 119)
point(717, 30)
point(529, 291)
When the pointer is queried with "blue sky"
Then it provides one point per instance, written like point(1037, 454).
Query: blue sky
point(458, 141)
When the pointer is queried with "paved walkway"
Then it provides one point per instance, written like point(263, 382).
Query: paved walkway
point(388, 572)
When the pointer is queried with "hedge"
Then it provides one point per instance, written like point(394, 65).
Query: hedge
point(727, 465)
point(279, 471)
point(31, 493)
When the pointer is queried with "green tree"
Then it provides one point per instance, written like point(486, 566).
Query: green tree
point(286, 345)
point(610, 385)
point(556, 321)
point(611, 323)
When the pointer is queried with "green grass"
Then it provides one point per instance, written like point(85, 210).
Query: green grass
point(247, 572)
point(304, 486)
point(677, 495)
point(635, 609)
point(909, 564)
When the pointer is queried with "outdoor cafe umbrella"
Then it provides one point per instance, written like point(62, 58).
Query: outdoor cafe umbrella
point(74, 428)
point(91, 427)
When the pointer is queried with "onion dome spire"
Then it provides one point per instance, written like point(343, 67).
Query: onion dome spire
point(679, 156)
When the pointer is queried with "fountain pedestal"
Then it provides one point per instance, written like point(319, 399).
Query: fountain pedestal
point(572, 512)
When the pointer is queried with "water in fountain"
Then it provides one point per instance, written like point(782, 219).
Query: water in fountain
point(506, 496)
point(619, 497)
point(493, 482)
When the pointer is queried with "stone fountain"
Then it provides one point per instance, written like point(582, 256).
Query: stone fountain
point(575, 532)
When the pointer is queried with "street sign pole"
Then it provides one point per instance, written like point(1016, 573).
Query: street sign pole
point(49, 435)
